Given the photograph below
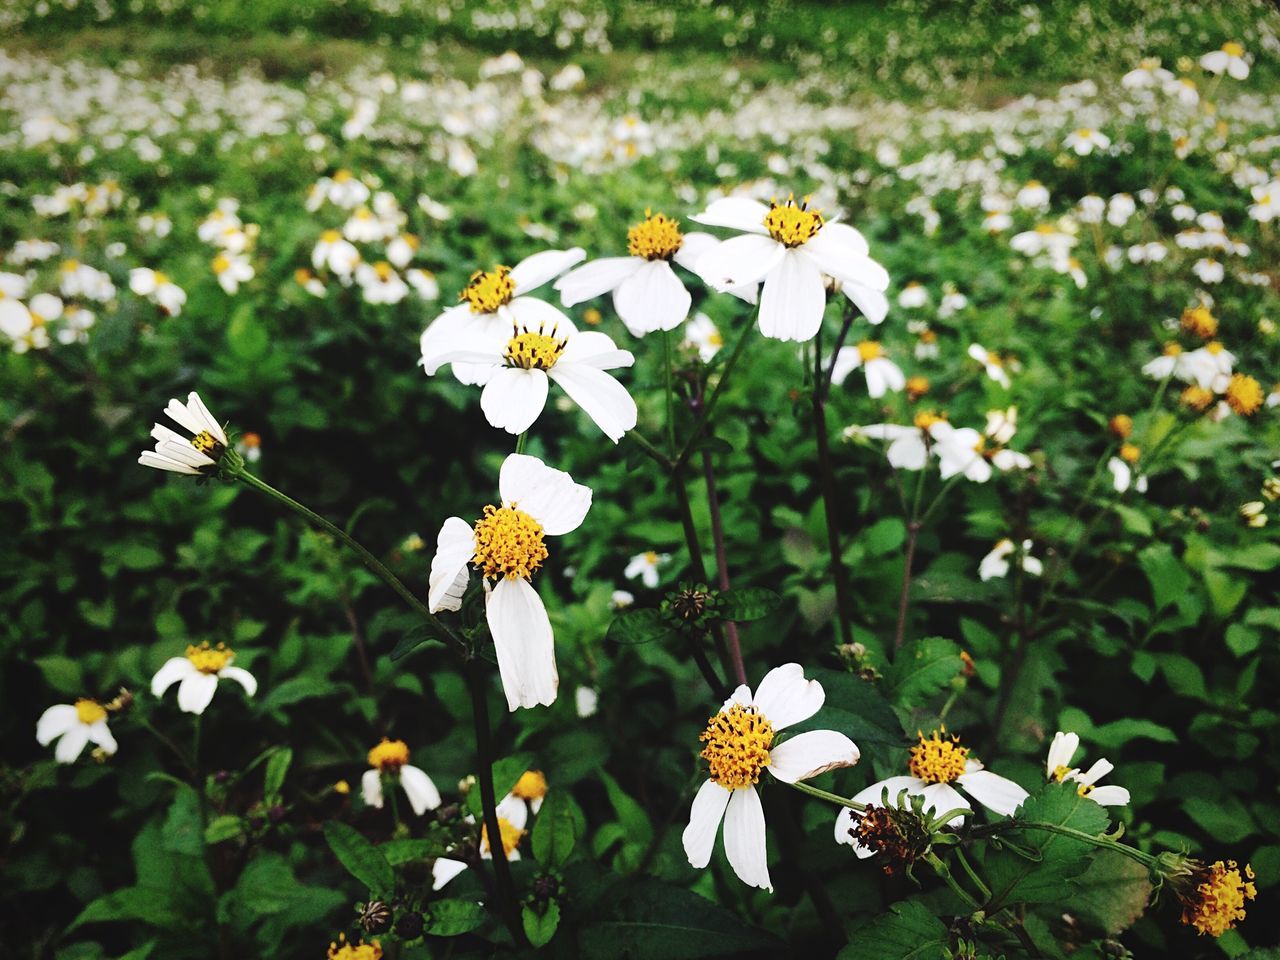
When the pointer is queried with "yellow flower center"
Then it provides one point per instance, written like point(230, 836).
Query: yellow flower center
point(1045, 228)
point(1172, 349)
point(208, 444)
point(508, 543)
point(1129, 453)
point(657, 237)
point(936, 760)
point(792, 224)
point(1060, 772)
point(1244, 394)
point(486, 291)
point(651, 557)
point(870, 350)
point(531, 785)
point(70, 266)
point(1084, 133)
point(1214, 347)
point(1199, 322)
point(534, 350)
point(1121, 425)
point(927, 418)
point(221, 263)
point(509, 833)
point(1233, 49)
point(354, 951)
point(209, 659)
point(161, 278)
point(383, 270)
point(90, 711)
point(737, 746)
point(1084, 789)
point(389, 755)
point(1197, 398)
point(342, 176)
point(917, 387)
point(1218, 900)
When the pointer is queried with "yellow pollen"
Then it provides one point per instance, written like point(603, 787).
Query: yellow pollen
point(928, 336)
point(331, 236)
point(354, 951)
point(927, 418)
point(1244, 394)
point(1215, 347)
point(531, 786)
point(534, 351)
point(161, 278)
point(383, 270)
point(657, 237)
point(363, 214)
point(1084, 789)
point(209, 659)
point(1172, 349)
point(208, 444)
point(342, 176)
point(917, 387)
point(1121, 425)
point(1199, 322)
point(1218, 900)
point(221, 263)
point(509, 833)
point(1197, 398)
point(870, 350)
point(1150, 63)
point(508, 543)
point(70, 266)
point(1046, 228)
point(1233, 49)
point(1129, 453)
point(487, 291)
point(936, 760)
point(251, 441)
point(90, 711)
point(737, 746)
point(1060, 772)
point(592, 317)
point(792, 225)
point(389, 755)
point(1084, 133)
point(651, 557)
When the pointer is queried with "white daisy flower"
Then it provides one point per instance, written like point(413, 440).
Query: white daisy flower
point(1149, 73)
point(513, 815)
point(791, 248)
point(882, 374)
point(936, 763)
point(379, 283)
point(1085, 140)
point(991, 362)
point(996, 563)
point(1230, 59)
point(1001, 425)
point(913, 295)
point(401, 250)
point(701, 334)
point(1208, 367)
point(1033, 195)
point(960, 450)
point(494, 302)
point(73, 725)
point(232, 269)
point(158, 288)
point(741, 744)
point(335, 253)
point(1123, 476)
point(424, 283)
point(506, 545)
point(391, 758)
point(1058, 769)
point(908, 446)
point(344, 190)
point(586, 702)
point(197, 675)
point(176, 453)
point(645, 566)
point(1208, 270)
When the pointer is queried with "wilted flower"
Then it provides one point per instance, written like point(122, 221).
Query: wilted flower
point(1213, 896)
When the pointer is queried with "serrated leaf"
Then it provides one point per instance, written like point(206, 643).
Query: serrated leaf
point(909, 931)
point(419, 635)
point(553, 832)
point(637, 626)
point(452, 918)
point(539, 928)
point(747, 603)
point(921, 669)
point(361, 858)
point(1112, 894)
point(410, 850)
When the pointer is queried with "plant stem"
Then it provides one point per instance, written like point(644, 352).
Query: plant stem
point(908, 559)
point(647, 446)
point(714, 397)
point(976, 880)
point(671, 412)
point(844, 612)
point(520, 442)
point(942, 870)
point(827, 796)
point(722, 566)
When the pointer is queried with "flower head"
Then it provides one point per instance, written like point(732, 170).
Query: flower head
point(1213, 896)
point(196, 456)
point(73, 725)
point(197, 675)
point(341, 950)
point(391, 758)
point(1058, 769)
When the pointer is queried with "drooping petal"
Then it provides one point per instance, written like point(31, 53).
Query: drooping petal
point(736, 213)
point(455, 546)
point(941, 797)
point(873, 304)
point(532, 272)
point(173, 670)
point(1061, 750)
point(793, 299)
point(785, 697)
point(526, 648)
point(1109, 795)
point(602, 398)
point(242, 677)
point(993, 791)
point(809, 754)
point(444, 870)
point(195, 692)
point(149, 458)
point(513, 398)
point(744, 838)
point(596, 278)
point(652, 298)
point(594, 349)
point(100, 735)
point(371, 788)
point(739, 261)
point(1101, 767)
point(548, 495)
point(699, 836)
point(71, 744)
point(54, 722)
point(422, 793)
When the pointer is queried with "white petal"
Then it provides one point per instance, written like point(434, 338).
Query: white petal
point(740, 696)
point(793, 299)
point(848, 359)
point(513, 810)
point(785, 697)
point(524, 643)
point(149, 458)
point(174, 669)
point(699, 836)
point(71, 744)
point(532, 272)
point(652, 298)
point(444, 870)
point(908, 453)
point(242, 677)
point(737, 213)
point(602, 398)
point(548, 495)
point(196, 405)
point(809, 754)
point(695, 245)
point(1109, 796)
point(533, 314)
point(838, 240)
point(55, 722)
point(875, 793)
point(195, 692)
point(178, 412)
point(442, 335)
point(596, 278)
point(744, 838)
point(455, 546)
point(739, 261)
point(1061, 750)
point(513, 399)
point(595, 349)
point(941, 797)
point(845, 822)
point(1096, 772)
point(872, 303)
point(100, 734)
point(994, 792)
point(422, 793)
point(371, 788)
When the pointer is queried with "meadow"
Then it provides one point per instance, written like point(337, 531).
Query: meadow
point(804, 478)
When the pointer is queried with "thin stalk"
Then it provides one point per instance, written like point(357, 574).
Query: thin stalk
point(718, 687)
point(520, 442)
point(942, 870)
point(722, 567)
point(828, 796)
point(715, 394)
point(670, 391)
point(913, 532)
point(647, 446)
point(850, 313)
point(1105, 843)
point(176, 750)
point(973, 875)
point(839, 574)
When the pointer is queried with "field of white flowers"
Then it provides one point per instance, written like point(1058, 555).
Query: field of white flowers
point(806, 479)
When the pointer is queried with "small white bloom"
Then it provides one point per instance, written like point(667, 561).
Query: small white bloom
point(959, 451)
point(991, 362)
point(1230, 59)
point(881, 373)
point(176, 453)
point(197, 675)
point(913, 295)
point(701, 334)
point(73, 725)
point(513, 815)
point(391, 758)
point(996, 563)
point(645, 566)
point(1085, 140)
point(1058, 769)
point(158, 288)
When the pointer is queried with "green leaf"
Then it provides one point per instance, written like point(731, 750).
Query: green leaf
point(1168, 577)
point(422, 633)
point(921, 669)
point(1112, 894)
point(747, 603)
point(277, 767)
point(63, 674)
point(361, 858)
point(247, 338)
point(908, 931)
point(411, 850)
point(553, 832)
point(182, 831)
point(1226, 819)
point(1135, 521)
point(637, 626)
point(452, 918)
point(541, 927)
point(508, 770)
point(144, 904)
point(226, 827)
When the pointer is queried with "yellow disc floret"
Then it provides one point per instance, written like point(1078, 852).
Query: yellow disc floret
point(509, 833)
point(938, 760)
point(657, 237)
point(341, 950)
point(927, 418)
point(1197, 398)
point(737, 746)
point(532, 350)
point(791, 223)
point(90, 711)
point(1233, 49)
point(1199, 322)
point(532, 785)
point(870, 350)
point(209, 659)
point(1217, 902)
point(1130, 452)
point(486, 291)
point(389, 755)
point(1244, 394)
point(508, 543)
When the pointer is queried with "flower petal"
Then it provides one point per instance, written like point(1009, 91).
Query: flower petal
point(793, 299)
point(838, 240)
point(514, 810)
point(196, 405)
point(548, 495)
point(1109, 796)
point(894, 785)
point(652, 298)
point(173, 670)
point(602, 398)
point(242, 677)
point(455, 546)
point(532, 314)
point(594, 349)
point(736, 213)
point(1061, 750)
point(596, 278)
point(444, 870)
point(71, 744)
point(873, 304)
point(739, 261)
point(785, 697)
point(809, 754)
point(532, 272)
point(694, 246)
point(195, 692)
point(149, 458)
point(744, 838)
point(524, 643)
point(422, 793)
point(55, 722)
point(371, 788)
point(699, 836)
point(994, 792)
point(941, 797)
point(100, 734)
point(513, 398)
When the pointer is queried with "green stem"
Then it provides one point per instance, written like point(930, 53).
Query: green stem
point(520, 442)
point(710, 403)
point(647, 446)
point(826, 479)
point(909, 553)
point(827, 796)
point(942, 870)
point(1105, 843)
point(976, 880)
point(176, 750)
point(671, 414)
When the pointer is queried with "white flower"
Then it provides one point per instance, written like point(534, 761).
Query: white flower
point(344, 190)
point(513, 815)
point(991, 362)
point(1092, 208)
point(73, 725)
point(936, 763)
point(176, 453)
point(506, 545)
point(953, 301)
point(959, 451)
point(790, 248)
point(702, 334)
point(908, 446)
point(1045, 238)
point(586, 702)
point(996, 563)
point(1208, 366)
point(424, 283)
point(645, 566)
point(1122, 476)
point(1148, 74)
point(232, 270)
point(335, 253)
point(1058, 769)
point(1085, 140)
point(391, 758)
point(1120, 208)
point(494, 302)
point(401, 250)
point(158, 288)
point(647, 294)
point(1266, 205)
point(1208, 270)
point(197, 675)
point(913, 295)
point(1001, 425)
point(882, 373)
point(740, 745)
point(1034, 195)
point(379, 283)
point(1230, 59)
